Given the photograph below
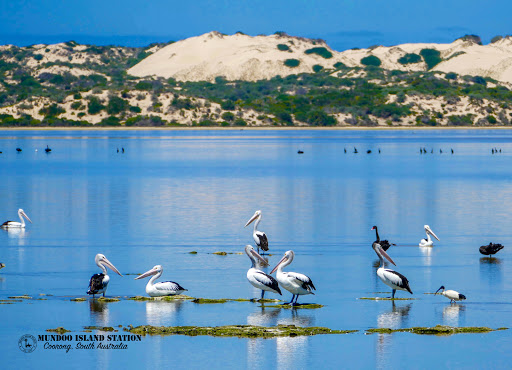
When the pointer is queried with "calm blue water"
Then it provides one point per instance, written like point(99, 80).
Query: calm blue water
point(173, 192)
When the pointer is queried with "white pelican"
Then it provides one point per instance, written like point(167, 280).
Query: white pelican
point(14, 224)
point(393, 279)
point(383, 243)
point(452, 295)
point(428, 242)
point(259, 236)
point(295, 283)
point(163, 288)
point(258, 278)
point(98, 283)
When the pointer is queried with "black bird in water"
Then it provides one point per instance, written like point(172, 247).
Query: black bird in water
point(345, 150)
point(118, 150)
point(122, 150)
point(300, 152)
point(492, 150)
point(383, 243)
point(452, 151)
point(489, 250)
point(47, 150)
point(440, 151)
point(368, 151)
point(355, 150)
point(432, 151)
point(18, 150)
point(379, 150)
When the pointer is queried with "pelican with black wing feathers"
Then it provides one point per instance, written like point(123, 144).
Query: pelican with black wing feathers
point(98, 283)
point(294, 282)
point(428, 241)
point(259, 236)
point(258, 278)
point(393, 279)
point(162, 289)
point(15, 224)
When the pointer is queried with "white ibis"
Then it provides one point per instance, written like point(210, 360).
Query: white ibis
point(258, 278)
point(294, 282)
point(98, 283)
point(452, 295)
point(164, 288)
point(15, 224)
point(391, 278)
point(259, 236)
point(428, 241)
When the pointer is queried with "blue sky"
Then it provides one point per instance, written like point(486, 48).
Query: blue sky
point(343, 23)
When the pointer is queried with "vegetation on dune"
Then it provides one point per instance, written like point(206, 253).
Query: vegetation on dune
point(321, 51)
point(292, 63)
point(283, 47)
point(432, 57)
point(371, 60)
point(409, 58)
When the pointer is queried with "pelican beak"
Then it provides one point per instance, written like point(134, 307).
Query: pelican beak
point(25, 215)
point(384, 254)
point(432, 233)
point(259, 258)
point(111, 266)
point(275, 268)
point(146, 274)
point(254, 217)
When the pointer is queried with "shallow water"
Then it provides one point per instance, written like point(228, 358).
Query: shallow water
point(172, 192)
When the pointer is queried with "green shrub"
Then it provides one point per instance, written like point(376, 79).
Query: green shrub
point(371, 60)
point(491, 119)
point(228, 116)
point(473, 38)
point(144, 85)
point(321, 51)
point(116, 105)
point(451, 76)
point(464, 120)
point(432, 57)
point(227, 105)
point(240, 122)
point(409, 58)
point(496, 39)
point(285, 117)
point(38, 57)
point(76, 105)
point(94, 106)
point(339, 65)
point(292, 63)
point(283, 47)
point(479, 80)
point(317, 68)
point(52, 111)
point(110, 121)
point(77, 96)
point(135, 109)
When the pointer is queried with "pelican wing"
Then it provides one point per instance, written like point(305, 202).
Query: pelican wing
point(398, 279)
point(5, 223)
point(96, 283)
point(169, 286)
point(267, 280)
point(303, 280)
point(263, 241)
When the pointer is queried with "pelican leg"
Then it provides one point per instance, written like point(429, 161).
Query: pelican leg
point(296, 298)
point(291, 302)
point(262, 294)
point(393, 295)
point(103, 294)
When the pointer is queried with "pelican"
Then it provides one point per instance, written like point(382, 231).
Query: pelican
point(163, 288)
point(295, 283)
point(14, 224)
point(383, 243)
point(259, 236)
point(452, 295)
point(391, 278)
point(98, 283)
point(428, 242)
point(258, 278)
point(491, 249)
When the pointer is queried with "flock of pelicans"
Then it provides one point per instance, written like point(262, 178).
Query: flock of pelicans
point(296, 283)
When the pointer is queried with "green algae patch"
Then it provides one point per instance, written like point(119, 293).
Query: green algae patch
point(436, 330)
point(10, 300)
point(220, 253)
point(167, 298)
point(108, 299)
point(59, 330)
point(387, 299)
point(192, 252)
point(209, 301)
point(310, 306)
point(21, 297)
point(100, 328)
point(240, 331)
point(78, 299)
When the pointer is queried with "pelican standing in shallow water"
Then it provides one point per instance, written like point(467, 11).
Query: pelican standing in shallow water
point(452, 295)
point(295, 283)
point(391, 278)
point(14, 224)
point(428, 241)
point(164, 288)
point(258, 278)
point(98, 283)
point(259, 236)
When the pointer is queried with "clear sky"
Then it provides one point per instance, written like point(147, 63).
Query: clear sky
point(342, 23)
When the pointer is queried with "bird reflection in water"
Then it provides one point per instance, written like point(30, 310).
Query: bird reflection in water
point(491, 271)
point(452, 313)
point(99, 312)
point(265, 317)
point(397, 317)
point(17, 234)
point(160, 313)
point(426, 252)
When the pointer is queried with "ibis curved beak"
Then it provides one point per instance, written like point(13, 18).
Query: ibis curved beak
point(275, 268)
point(384, 254)
point(432, 233)
point(439, 290)
point(259, 258)
point(146, 274)
point(254, 217)
point(25, 215)
point(110, 266)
